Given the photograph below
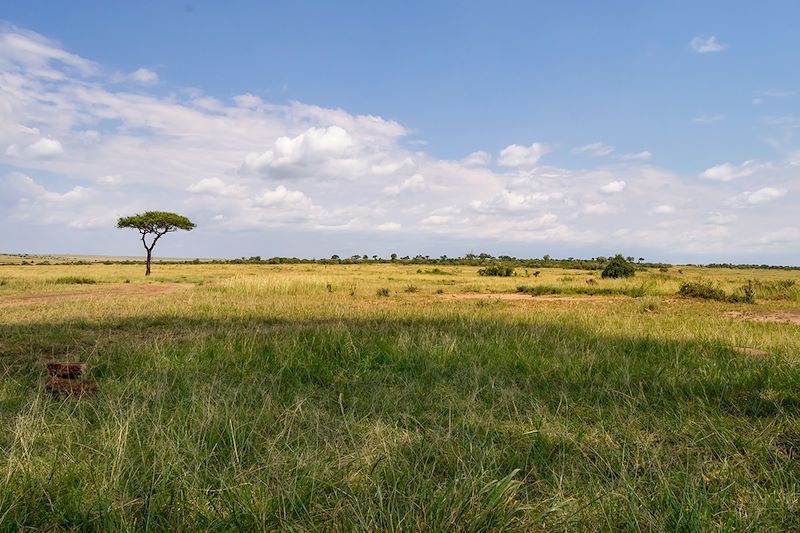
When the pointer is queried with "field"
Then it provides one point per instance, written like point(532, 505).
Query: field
point(308, 398)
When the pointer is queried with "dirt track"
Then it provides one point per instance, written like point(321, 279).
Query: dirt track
point(781, 317)
point(528, 297)
point(116, 289)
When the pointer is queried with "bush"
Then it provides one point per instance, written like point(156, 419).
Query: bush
point(497, 270)
point(382, 292)
point(701, 289)
point(75, 280)
point(618, 267)
point(707, 290)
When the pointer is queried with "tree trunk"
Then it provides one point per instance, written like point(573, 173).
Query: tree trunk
point(147, 267)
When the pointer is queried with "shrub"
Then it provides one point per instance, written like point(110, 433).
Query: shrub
point(74, 280)
point(701, 289)
point(382, 292)
point(707, 290)
point(746, 294)
point(782, 289)
point(436, 271)
point(497, 270)
point(618, 267)
point(412, 288)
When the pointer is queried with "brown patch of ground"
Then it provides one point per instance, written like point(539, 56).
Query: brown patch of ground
point(116, 289)
point(780, 317)
point(752, 352)
point(528, 297)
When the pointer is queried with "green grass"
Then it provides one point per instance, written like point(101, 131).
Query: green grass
point(262, 400)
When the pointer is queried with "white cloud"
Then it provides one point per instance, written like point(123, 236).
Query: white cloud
point(729, 171)
point(601, 208)
point(283, 197)
point(596, 149)
point(522, 156)
point(759, 196)
point(514, 202)
point(217, 187)
point(637, 156)
point(414, 183)
point(44, 148)
point(707, 45)
point(389, 226)
point(250, 164)
point(143, 76)
point(663, 209)
point(477, 159)
point(248, 100)
point(613, 187)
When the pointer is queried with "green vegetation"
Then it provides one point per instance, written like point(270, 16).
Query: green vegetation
point(618, 267)
point(74, 280)
point(708, 290)
point(304, 398)
point(497, 271)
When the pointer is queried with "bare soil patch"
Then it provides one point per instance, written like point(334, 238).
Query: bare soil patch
point(116, 289)
point(780, 317)
point(529, 298)
point(752, 352)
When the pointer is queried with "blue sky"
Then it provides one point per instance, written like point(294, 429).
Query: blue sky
point(307, 128)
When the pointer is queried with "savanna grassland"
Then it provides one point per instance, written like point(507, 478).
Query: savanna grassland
point(390, 397)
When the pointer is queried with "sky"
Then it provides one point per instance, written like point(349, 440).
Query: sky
point(664, 130)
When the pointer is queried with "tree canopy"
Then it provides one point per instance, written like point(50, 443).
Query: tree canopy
point(156, 224)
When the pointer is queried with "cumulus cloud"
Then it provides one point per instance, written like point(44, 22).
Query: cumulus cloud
point(283, 197)
point(596, 149)
point(477, 159)
point(522, 156)
point(42, 149)
point(706, 45)
point(103, 151)
point(613, 187)
point(414, 183)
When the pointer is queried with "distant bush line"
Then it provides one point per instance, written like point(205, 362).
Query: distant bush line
point(481, 260)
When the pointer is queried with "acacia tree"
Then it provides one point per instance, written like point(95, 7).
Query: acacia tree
point(155, 224)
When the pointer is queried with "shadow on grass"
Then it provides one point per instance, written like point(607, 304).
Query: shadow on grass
point(438, 424)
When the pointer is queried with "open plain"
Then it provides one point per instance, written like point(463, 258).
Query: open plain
point(394, 397)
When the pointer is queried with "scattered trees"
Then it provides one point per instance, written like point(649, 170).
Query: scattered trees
point(155, 224)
